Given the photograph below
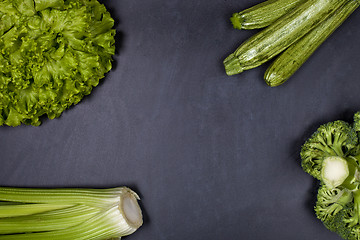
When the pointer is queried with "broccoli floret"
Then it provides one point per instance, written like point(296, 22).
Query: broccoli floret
point(338, 224)
point(332, 139)
point(332, 155)
point(331, 201)
point(333, 206)
point(356, 124)
point(356, 127)
point(346, 221)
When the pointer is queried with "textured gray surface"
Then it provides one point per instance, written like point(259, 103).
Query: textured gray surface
point(212, 157)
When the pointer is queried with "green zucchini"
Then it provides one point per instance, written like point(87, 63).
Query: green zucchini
point(292, 58)
point(263, 14)
point(280, 35)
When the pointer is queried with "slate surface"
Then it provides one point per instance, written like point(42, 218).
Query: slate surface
point(212, 156)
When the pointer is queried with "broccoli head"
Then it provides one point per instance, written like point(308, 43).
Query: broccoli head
point(332, 156)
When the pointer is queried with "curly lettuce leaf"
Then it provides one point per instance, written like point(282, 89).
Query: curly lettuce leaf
point(53, 53)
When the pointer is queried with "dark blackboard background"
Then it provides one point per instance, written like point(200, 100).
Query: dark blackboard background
point(212, 156)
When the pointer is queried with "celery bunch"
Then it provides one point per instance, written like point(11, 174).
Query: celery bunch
point(72, 213)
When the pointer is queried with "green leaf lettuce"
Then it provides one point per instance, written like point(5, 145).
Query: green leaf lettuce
point(52, 54)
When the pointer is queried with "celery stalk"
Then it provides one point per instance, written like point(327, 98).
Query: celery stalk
point(105, 225)
point(90, 197)
point(26, 209)
point(48, 221)
point(68, 214)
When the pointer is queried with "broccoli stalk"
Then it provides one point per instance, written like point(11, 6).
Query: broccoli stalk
point(354, 219)
point(338, 171)
point(332, 155)
point(335, 170)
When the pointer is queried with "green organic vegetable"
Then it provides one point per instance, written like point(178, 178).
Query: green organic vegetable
point(263, 14)
point(52, 54)
point(332, 155)
point(278, 36)
point(295, 25)
point(292, 58)
point(67, 214)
